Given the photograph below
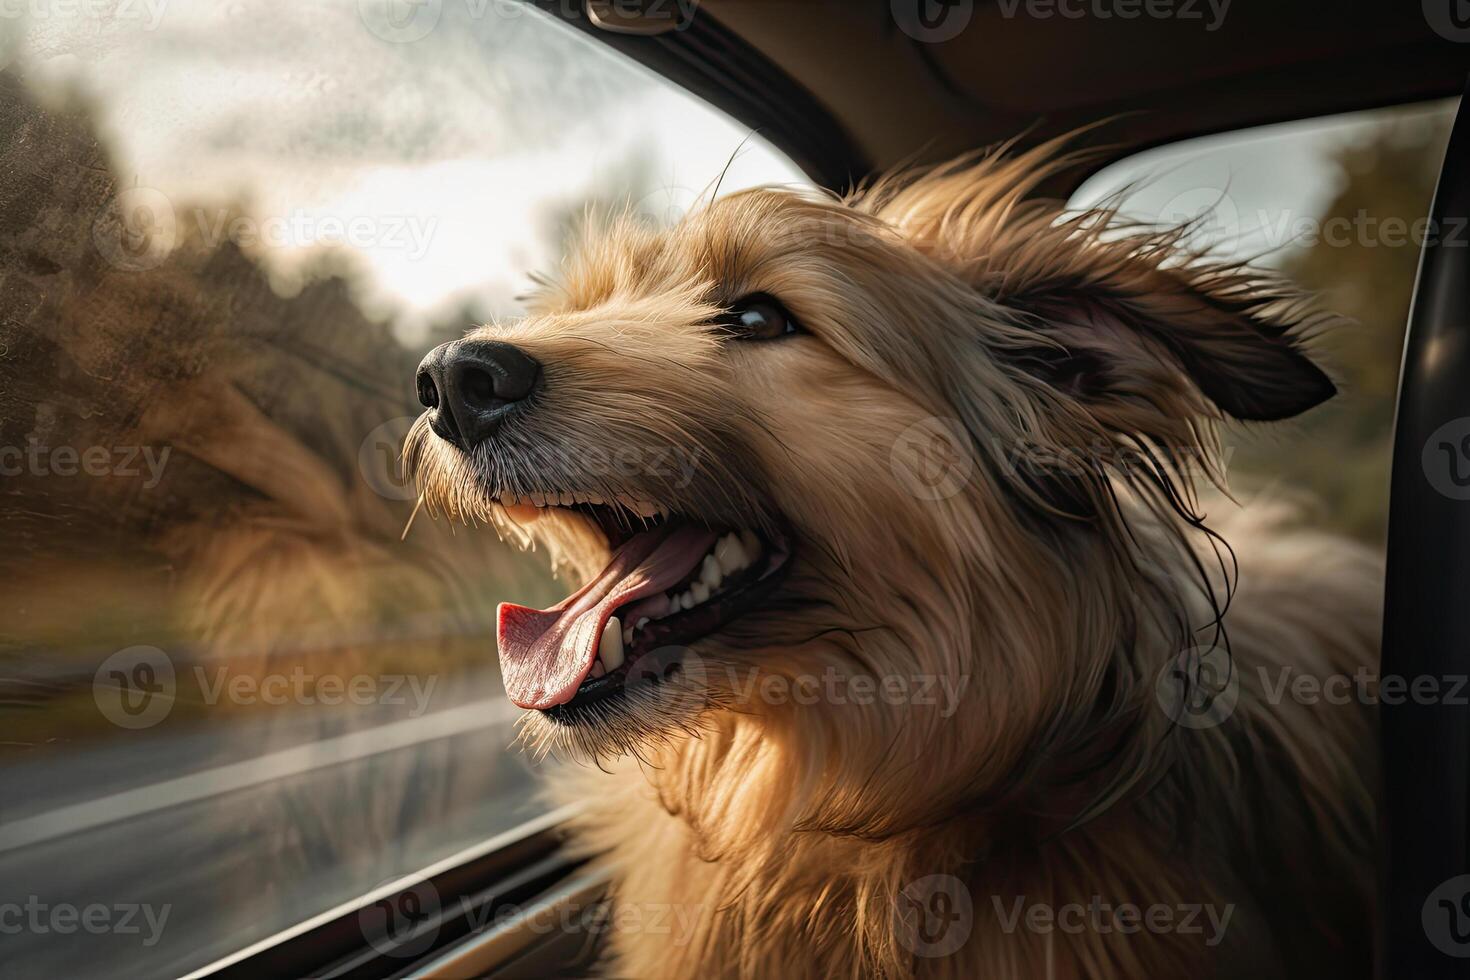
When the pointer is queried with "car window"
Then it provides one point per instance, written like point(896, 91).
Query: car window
point(1339, 205)
point(241, 682)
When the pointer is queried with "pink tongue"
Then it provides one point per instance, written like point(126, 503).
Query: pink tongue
point(546, 654)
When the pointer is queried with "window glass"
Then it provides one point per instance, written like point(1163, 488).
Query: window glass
point(238, 685)
point(1338, 205)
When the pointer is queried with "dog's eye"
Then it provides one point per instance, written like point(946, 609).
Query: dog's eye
point(759, 317)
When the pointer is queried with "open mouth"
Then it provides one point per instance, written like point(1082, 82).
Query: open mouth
point(671, 581)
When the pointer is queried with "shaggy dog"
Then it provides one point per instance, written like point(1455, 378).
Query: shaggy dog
point(900, 636)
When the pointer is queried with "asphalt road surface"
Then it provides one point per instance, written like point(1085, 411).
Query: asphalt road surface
point(148, 855)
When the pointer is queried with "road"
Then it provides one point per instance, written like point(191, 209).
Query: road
point(150, 856)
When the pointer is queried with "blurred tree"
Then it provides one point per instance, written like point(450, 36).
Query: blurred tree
point(1362, 265)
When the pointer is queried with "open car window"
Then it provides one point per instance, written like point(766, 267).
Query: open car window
point(238, 685)
point(1339, 205)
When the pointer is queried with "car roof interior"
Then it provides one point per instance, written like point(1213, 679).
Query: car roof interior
point(846, 91)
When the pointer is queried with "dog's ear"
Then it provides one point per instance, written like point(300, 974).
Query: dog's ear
point(1231, 335)
point(1108, 312)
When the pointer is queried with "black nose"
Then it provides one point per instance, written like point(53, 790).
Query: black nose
point(469, 386)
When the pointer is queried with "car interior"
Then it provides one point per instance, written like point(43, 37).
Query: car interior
point(840, 91)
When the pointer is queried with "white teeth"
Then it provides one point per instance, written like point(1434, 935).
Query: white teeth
point(751, 544)
point(730, 554)
point(709, 572)
point(700, 592)
point(538, 500)
point(627, 637)
point(610, 648)
point(642, 622)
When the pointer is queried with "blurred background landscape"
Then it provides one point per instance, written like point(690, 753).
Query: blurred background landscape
point(1332, 205)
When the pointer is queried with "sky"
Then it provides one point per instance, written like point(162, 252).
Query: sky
point(440, 145)
point(444, 155)
point(1254, 194)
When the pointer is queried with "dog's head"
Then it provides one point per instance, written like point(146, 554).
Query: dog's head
point(803, 439)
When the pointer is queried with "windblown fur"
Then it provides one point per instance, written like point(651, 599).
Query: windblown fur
point(990, 447)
